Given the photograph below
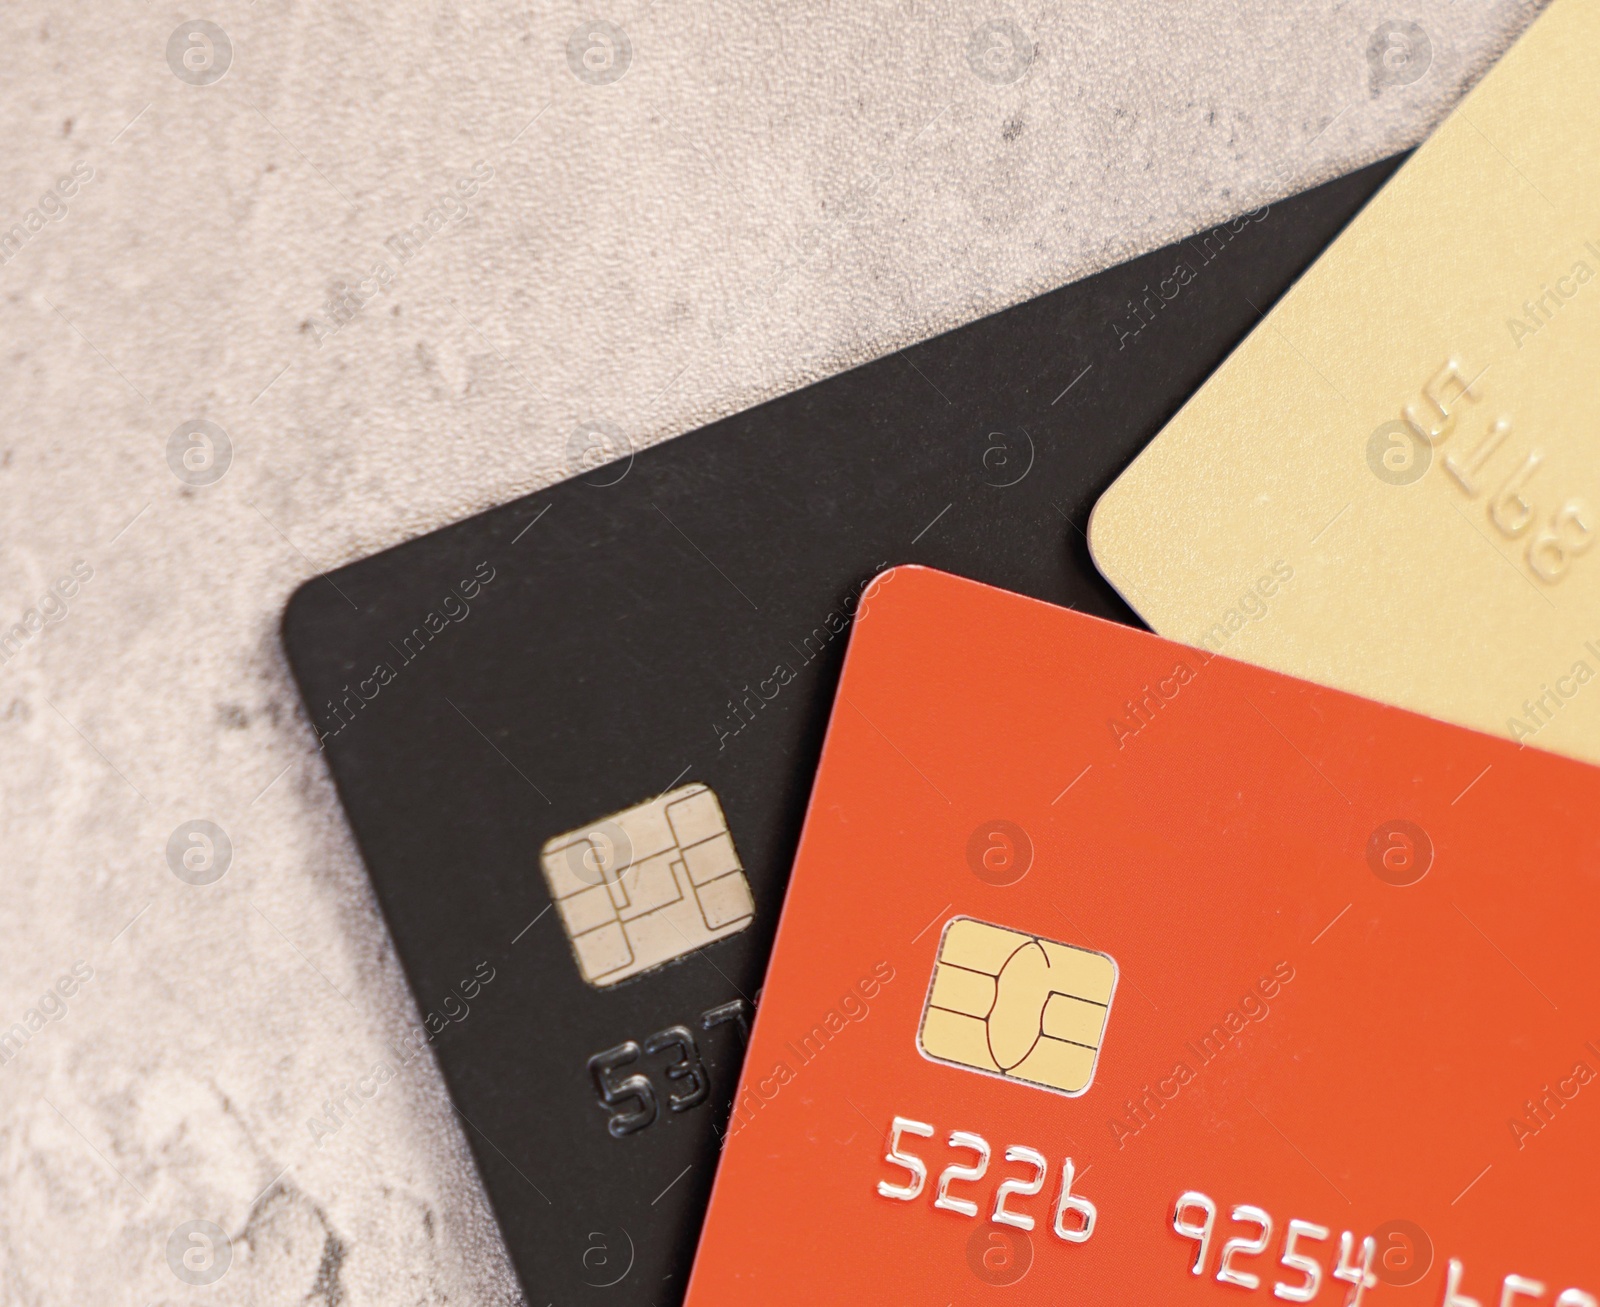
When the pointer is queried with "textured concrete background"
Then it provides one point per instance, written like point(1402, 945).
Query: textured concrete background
point(767, 194)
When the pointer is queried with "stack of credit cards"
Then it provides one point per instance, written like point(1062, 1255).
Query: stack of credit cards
point(575, 735)
point(1110, 968)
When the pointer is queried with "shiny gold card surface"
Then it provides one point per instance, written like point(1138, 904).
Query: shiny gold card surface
point(1392, 485)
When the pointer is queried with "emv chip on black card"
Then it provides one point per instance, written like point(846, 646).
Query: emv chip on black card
point(648, 885)
point(591, 774)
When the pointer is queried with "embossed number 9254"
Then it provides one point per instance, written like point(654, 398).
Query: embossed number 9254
point(1195, 1217)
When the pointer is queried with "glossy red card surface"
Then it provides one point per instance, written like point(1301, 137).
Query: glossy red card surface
point(1208, 975)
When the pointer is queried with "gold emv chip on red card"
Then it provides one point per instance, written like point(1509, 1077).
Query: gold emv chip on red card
point(1013, 1005)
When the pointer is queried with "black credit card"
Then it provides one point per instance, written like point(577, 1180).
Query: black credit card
point(575, 734)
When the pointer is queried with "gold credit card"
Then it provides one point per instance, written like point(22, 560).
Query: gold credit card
point(1391, 486)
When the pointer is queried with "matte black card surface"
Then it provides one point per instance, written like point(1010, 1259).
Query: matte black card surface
point(575, 735)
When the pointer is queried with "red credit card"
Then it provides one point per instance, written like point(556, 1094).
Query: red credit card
point(1111, 972)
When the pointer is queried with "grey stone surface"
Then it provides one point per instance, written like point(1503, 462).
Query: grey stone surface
point(766, 194)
